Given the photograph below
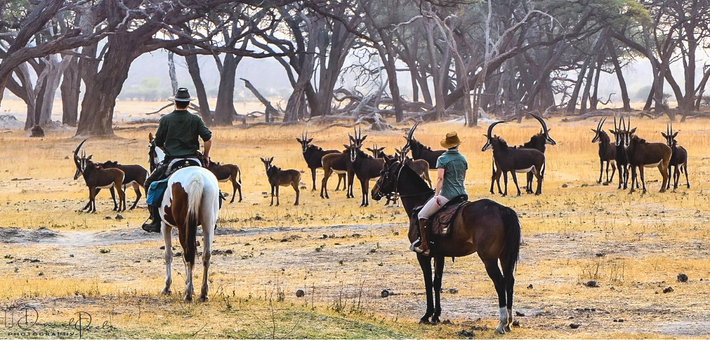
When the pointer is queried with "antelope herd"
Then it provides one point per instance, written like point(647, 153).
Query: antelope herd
point(626, 154)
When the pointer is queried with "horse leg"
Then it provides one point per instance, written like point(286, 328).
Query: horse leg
point(167, 235)
point(499, 283)
point(425, 264)
point(438, 277)
point(207, 238)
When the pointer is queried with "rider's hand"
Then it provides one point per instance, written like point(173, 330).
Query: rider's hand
point(438, 202)
point(207, 160)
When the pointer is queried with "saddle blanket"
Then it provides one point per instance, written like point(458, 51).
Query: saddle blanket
point(156, 191)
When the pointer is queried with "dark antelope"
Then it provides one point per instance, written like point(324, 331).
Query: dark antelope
point(622, 160)
point(278, 177)
point(419, 166)
point(191, 199)
point(97, 177)
point(313, 155)
point(484, 226)
point(340, 164)
point(420, 151)
point(135, 177)
point(514, 160)
point(228, 172)
point(679, 158)
point(607, 152)
point(364, 166)
point(537, 142)
point(380, 153)
point(646, 155)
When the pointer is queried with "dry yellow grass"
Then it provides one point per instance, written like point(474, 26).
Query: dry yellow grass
point(343, 255)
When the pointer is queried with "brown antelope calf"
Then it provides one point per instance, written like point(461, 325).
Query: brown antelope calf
point(420, 166)
point(278, 177)
point(313, 155)
point(228, 172)
point(337, 163)
point(97, 177)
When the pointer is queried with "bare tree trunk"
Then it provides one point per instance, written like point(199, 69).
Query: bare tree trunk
point(269, 108)
point(193, 68)
point(224, 111)
point(70, 90)
point(619, 76)
point(572, 105)
point(436, 71)
point(171, 71)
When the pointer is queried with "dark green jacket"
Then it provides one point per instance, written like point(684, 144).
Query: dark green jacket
point(178, 133)
point(455, 166)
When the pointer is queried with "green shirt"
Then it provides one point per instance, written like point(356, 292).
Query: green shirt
point(178, 133)
point(455, 166)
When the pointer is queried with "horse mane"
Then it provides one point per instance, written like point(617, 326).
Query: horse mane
point(415, 180)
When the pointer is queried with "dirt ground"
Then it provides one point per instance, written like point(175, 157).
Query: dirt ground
point(60, 262)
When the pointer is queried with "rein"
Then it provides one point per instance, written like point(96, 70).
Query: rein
point(396, 184)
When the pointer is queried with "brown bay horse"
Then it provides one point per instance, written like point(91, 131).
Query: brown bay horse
point(484, 226)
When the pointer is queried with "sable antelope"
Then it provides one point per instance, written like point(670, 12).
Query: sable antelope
point(364, 166)
point(419, 166)
point(645, 155)
point(514, 160)
point(380, 153)
point(607, 152)
point(679, 158)
point(340, 164)
point(228, 172)
point(537, 142)
point(97, 177)
point(278, 177)
point(622, 160)
point(191, 199)
point(483, 226)
point(135, 177)
point(419, 151)
point(313, 155)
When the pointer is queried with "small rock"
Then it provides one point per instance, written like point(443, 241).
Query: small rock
point(591, 283)
point(300, 293)
point(600, 254)
point(574, 325)
point(516, 323)
point(385, 293)
point(465, 333)
point(119, 217)
point(258, 218)
point(453, 291)
point(162, 247)
point(324, 236)
point(668, 289)
point(530, 286)
point(178, 254)
point(682, 278)
point(565, 185)
point(518, 313)
point(619, 320)
point(108, 218)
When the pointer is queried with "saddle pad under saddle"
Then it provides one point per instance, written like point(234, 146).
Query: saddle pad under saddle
point(156, 191)
point(442, 220)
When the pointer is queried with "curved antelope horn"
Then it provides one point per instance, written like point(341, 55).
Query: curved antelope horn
point(628, 127)
point(601, 124)
point(542, 122)
point(410, 135)
point(76, 152)
point(490, 128)
point(615, 126)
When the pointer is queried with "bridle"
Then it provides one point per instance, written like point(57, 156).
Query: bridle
point(396, 181)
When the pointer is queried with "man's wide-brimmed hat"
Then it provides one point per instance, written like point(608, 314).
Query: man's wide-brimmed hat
point(451, 140)
point(182, 95)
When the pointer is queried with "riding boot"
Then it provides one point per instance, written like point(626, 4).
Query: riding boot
point(154, 225)
point(423, 248)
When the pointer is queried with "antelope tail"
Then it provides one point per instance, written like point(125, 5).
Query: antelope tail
point(239, 173)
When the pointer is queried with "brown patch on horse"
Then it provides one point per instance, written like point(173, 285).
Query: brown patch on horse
point(176, 214)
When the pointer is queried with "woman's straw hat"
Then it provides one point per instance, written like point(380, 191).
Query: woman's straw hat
point(451, 140)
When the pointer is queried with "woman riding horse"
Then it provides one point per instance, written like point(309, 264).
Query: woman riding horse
point(451, 173)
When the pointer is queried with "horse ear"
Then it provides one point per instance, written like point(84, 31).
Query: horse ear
point(150, 136)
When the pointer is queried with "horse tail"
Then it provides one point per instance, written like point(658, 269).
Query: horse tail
point(513, 237)
point(195, 187)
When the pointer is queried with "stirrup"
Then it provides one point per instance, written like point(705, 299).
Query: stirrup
point(415, 245)
point(423, 252)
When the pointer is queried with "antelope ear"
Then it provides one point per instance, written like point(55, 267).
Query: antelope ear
point(271, 159)
point(664, 135)
point(632, 130)
point(89, 158)
point(612, 131)
point(346, 146)
point(595, 131)
point(309, 141)
point(675, 134)
point(363, 139)
point(299, 140)
point(371, 150)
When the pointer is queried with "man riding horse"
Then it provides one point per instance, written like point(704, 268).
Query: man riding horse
point(177, 136)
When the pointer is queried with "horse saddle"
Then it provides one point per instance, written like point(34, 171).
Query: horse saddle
point(179, 163)
point(443, 219)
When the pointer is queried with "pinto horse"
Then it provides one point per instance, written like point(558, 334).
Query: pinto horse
point(483, 226)
point(191, 199)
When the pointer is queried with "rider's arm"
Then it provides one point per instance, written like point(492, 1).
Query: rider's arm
point(439, 180)
point(208, 145)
